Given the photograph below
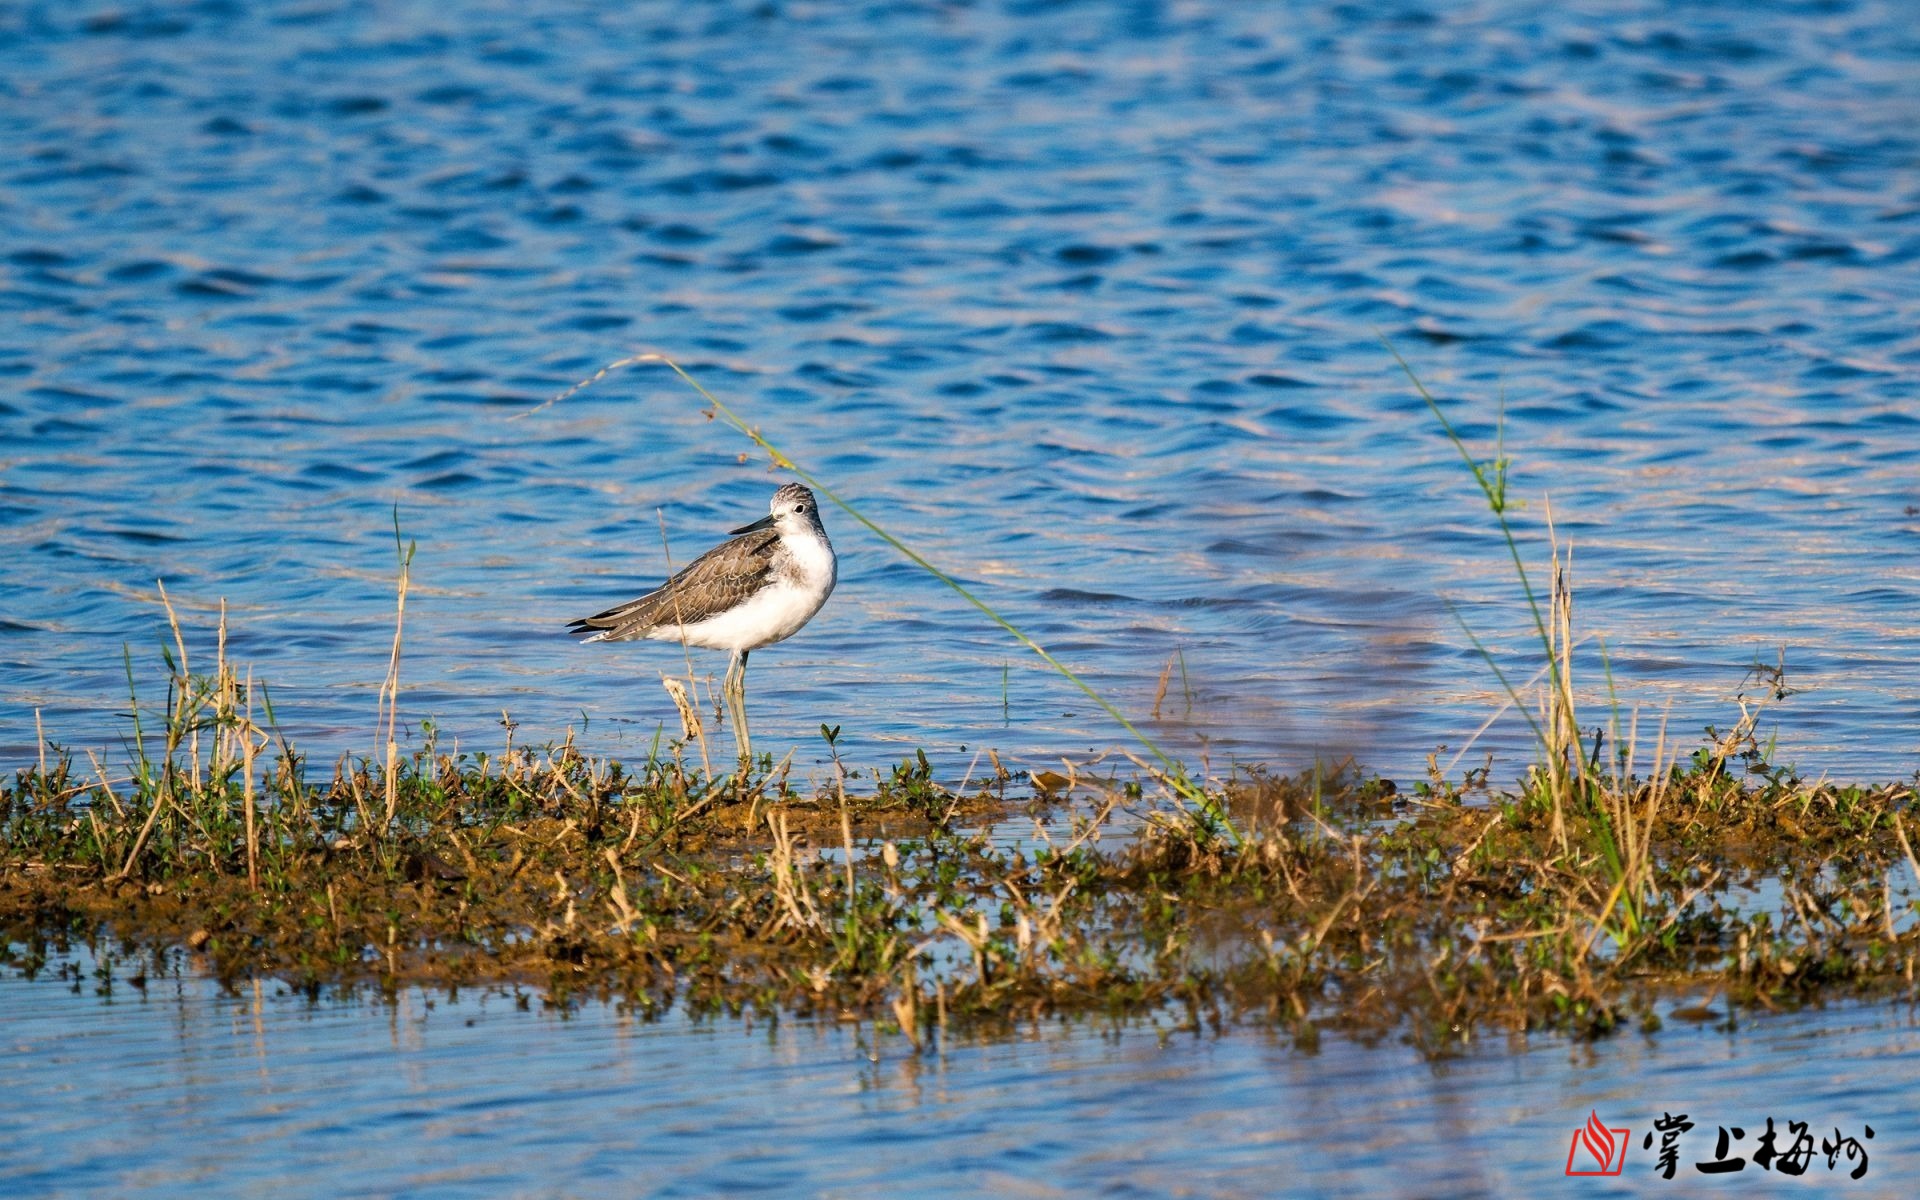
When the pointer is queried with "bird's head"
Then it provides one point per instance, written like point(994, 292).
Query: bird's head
point(793, 510)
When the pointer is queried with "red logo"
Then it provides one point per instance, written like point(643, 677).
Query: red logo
point(1597, 1149)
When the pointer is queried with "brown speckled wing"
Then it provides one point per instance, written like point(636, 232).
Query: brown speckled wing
point(708, 586)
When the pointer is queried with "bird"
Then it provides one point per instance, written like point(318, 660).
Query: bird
point(757, 588)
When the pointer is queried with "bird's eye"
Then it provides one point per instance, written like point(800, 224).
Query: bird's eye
point(800, 508)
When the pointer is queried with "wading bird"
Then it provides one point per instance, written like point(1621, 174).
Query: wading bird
point(756, 589)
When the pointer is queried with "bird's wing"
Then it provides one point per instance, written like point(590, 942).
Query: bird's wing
point(706, 587)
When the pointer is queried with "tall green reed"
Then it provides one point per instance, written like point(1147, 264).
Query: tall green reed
point(1563, 775)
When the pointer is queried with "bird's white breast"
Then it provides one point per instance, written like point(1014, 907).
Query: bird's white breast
point(811, 563)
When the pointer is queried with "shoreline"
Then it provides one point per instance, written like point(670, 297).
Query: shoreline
point(1321, 902)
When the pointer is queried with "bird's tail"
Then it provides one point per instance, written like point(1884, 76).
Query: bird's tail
point(606, 626)
point(596, 628)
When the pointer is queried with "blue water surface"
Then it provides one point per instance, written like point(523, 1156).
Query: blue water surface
point(180, 1088)
point(1083, 301)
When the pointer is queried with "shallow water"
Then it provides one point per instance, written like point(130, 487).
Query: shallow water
point(1080, 300)
point(186, 1088)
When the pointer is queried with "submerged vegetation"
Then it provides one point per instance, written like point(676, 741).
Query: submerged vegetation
point(1611, 884)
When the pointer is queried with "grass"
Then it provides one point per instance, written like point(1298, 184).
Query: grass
point(1600, 890)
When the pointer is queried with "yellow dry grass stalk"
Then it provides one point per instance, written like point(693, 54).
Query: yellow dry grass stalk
point(789, 884)
point(390, 688)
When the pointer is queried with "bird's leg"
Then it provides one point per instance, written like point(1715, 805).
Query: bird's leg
point(740, 691)
point(736, 694)
point(726, 695)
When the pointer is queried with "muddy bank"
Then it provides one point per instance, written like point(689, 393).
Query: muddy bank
point(1579, 901)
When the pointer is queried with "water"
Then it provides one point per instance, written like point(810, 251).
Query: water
point(186, 1089)
point(1079, 300)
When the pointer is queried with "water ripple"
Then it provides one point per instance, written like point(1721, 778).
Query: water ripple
point(1083, 309)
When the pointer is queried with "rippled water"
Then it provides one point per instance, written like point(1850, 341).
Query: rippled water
point(181, 1088)
point(1081, 300)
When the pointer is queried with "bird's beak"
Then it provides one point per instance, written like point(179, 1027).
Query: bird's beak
point(765, 522)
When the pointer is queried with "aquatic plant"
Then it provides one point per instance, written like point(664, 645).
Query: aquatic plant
point(1614, 809)
point(930, 909)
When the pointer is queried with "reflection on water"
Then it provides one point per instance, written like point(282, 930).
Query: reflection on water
point(1081, 300)
point(183, 1088)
